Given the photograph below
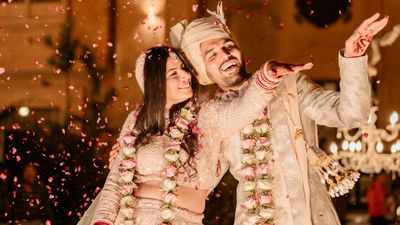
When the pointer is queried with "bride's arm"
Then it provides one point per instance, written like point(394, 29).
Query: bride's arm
point(109, 202)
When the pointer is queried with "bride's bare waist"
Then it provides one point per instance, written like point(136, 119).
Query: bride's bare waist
point(188, 198)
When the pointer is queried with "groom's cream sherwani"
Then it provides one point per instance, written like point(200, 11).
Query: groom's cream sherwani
point(299, 196)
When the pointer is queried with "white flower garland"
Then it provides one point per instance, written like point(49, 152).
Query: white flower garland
point(127, 167)
point(176, 134)
point(257, 161)
point(127, 170)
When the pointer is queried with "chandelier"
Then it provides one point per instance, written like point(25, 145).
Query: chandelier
point(364, 149)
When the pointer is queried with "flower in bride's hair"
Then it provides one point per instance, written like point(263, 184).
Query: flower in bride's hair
point(169, 171)
point(129, 139)
point(247, 143)
point(176, 133)
point(127, 164)
point(248, 172)
point(169, 184)
point(265, 199)
point(264, 184)
point(129, 151)
point(126, 177)
point(250, 203)
point(248, 130)
point(171, 156)
point(266, 213)
point(167, 214)
point(248, 158)
point(170, 198)
point(249, 186)
point(262, 168)
point(127, 212)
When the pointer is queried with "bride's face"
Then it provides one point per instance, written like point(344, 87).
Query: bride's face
point(178, 81)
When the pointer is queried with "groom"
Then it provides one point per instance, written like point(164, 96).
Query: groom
point(286, 190)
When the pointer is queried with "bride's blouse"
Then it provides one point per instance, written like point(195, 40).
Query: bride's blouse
point(150, 162)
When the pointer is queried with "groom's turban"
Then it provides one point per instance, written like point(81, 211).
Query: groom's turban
point(188, 37)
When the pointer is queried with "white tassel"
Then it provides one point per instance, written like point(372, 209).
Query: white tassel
point(338, 180)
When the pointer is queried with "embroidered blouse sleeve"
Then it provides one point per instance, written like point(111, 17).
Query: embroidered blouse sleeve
point(108, 205)
point(348, 108)
point(223, 118)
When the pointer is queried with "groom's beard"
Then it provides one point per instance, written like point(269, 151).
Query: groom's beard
point(242, 74)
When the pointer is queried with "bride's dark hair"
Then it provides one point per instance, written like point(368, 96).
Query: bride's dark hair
point(150, 120)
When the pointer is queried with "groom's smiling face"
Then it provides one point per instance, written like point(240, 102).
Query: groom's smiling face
point(223, 62)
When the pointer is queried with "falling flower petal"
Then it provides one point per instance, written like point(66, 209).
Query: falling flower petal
point(194, 7)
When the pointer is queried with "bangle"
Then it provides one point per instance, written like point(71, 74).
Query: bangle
point(268, 88)
point(265, 83)
point(101, 223)
point(268, 76)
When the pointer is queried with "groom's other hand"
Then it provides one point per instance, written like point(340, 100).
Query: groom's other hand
point(358, 42)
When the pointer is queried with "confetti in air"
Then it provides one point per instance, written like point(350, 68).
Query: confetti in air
point(194, 7)
point(2, 70)
point(248, 62)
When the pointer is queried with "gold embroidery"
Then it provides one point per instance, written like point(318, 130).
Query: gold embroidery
point(298, 133)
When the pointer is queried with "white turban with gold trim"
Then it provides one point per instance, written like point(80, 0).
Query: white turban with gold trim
point(188, 37)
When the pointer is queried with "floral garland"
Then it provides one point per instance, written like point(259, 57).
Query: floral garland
point(127, 170)
point(176, 132)
point(257, 161)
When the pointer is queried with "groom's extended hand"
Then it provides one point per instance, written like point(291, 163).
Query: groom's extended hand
point(272, 73)
point(279, 70)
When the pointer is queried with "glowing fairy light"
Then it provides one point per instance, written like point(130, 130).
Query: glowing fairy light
point(23, 111)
